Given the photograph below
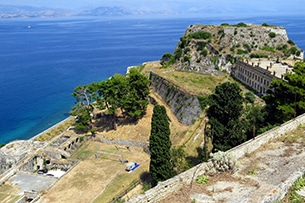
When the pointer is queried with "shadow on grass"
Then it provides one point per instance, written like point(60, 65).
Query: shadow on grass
point(194, 160)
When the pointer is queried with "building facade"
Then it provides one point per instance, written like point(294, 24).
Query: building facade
point(258, 74)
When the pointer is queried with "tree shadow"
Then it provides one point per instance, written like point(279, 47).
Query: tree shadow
point(146, 181)
point(194, 160)
point(145, 177)
point(104, 122)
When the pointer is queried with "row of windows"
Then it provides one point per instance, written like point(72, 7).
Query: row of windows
point(253, 80)
point(253, 76)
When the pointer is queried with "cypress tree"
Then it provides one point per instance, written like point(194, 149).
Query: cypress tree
point(159, 143)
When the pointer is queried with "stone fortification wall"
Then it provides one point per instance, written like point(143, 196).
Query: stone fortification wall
point(167, 187)
point(185, 106)
point(252, 145)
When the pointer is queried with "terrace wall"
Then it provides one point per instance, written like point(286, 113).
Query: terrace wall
point(167, 187)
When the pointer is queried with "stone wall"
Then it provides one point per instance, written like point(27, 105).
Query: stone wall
point(252, 145)
point(185, 106)
point(167, 187)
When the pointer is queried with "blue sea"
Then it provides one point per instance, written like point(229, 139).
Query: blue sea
point(43, 60)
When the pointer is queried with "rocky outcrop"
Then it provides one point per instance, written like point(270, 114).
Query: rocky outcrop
point(209, 47)
point(185, 106)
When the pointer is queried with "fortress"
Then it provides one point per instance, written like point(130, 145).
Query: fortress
point(257, 73)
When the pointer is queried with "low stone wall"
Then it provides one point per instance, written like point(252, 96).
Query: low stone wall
point(163, 189)
point(185, 106)
point(5, 176)
point(167, 187)
point(252, 145)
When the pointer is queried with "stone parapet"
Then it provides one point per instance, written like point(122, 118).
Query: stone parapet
point(164, 189)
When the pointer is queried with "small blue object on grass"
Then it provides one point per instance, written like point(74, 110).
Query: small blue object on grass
point(132, 166)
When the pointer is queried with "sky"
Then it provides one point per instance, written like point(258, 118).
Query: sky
point(187, 6)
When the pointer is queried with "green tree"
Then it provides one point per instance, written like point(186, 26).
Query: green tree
point(159, 144)
point(167, 59)
point(136, 101)
point(112, 92)
point(126, 93)
point(286, 98)
point(178, 158)
point(249, 97)
point(226, 105)
point(254, 120)
point(83, 108)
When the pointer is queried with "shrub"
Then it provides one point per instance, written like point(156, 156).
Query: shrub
point(292, 195)
point(267, 48)
point(241, 51)
point(290, 42)
point(178, 53)
point(186, 50)
point(204, 52)
point(200, 35)
point(282, 47)
point(272, 35)
point(221, 162)
point(247, 46)
point(183, 42)
point(241, 24)
point(265, 24)
point(202, 179)
point(256, 55)
point(145, 186)
point(214, 59)
point(201, 45)
point(186, 58)
point(203, 102)
point(293, 50)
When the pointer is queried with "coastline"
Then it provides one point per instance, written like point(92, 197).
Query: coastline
point(70, 117)
point(51, 128)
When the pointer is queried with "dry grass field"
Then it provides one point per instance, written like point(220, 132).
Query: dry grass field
point(8, 193)
point(99, 177)
point(102, 176)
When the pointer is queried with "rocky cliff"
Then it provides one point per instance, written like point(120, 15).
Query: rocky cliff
point(207, 47)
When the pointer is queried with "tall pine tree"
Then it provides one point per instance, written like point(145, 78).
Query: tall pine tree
point(224, 114)
point(159, 144)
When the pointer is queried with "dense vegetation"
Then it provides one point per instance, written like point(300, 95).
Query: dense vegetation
point(233, 118)
point(159, 145)
point(127, 93)
point(286, 98)
point(224, 116)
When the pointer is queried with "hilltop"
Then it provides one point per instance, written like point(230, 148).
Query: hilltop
point(210, 47)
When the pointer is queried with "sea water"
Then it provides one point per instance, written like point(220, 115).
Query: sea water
point(43, 60)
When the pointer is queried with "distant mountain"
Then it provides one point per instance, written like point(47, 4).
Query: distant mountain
point(119, 11)
point(106, 11)
point(43, 12)
point(31, 12)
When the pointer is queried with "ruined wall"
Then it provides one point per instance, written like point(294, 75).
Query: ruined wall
point(185, 106)
point(167, 187)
